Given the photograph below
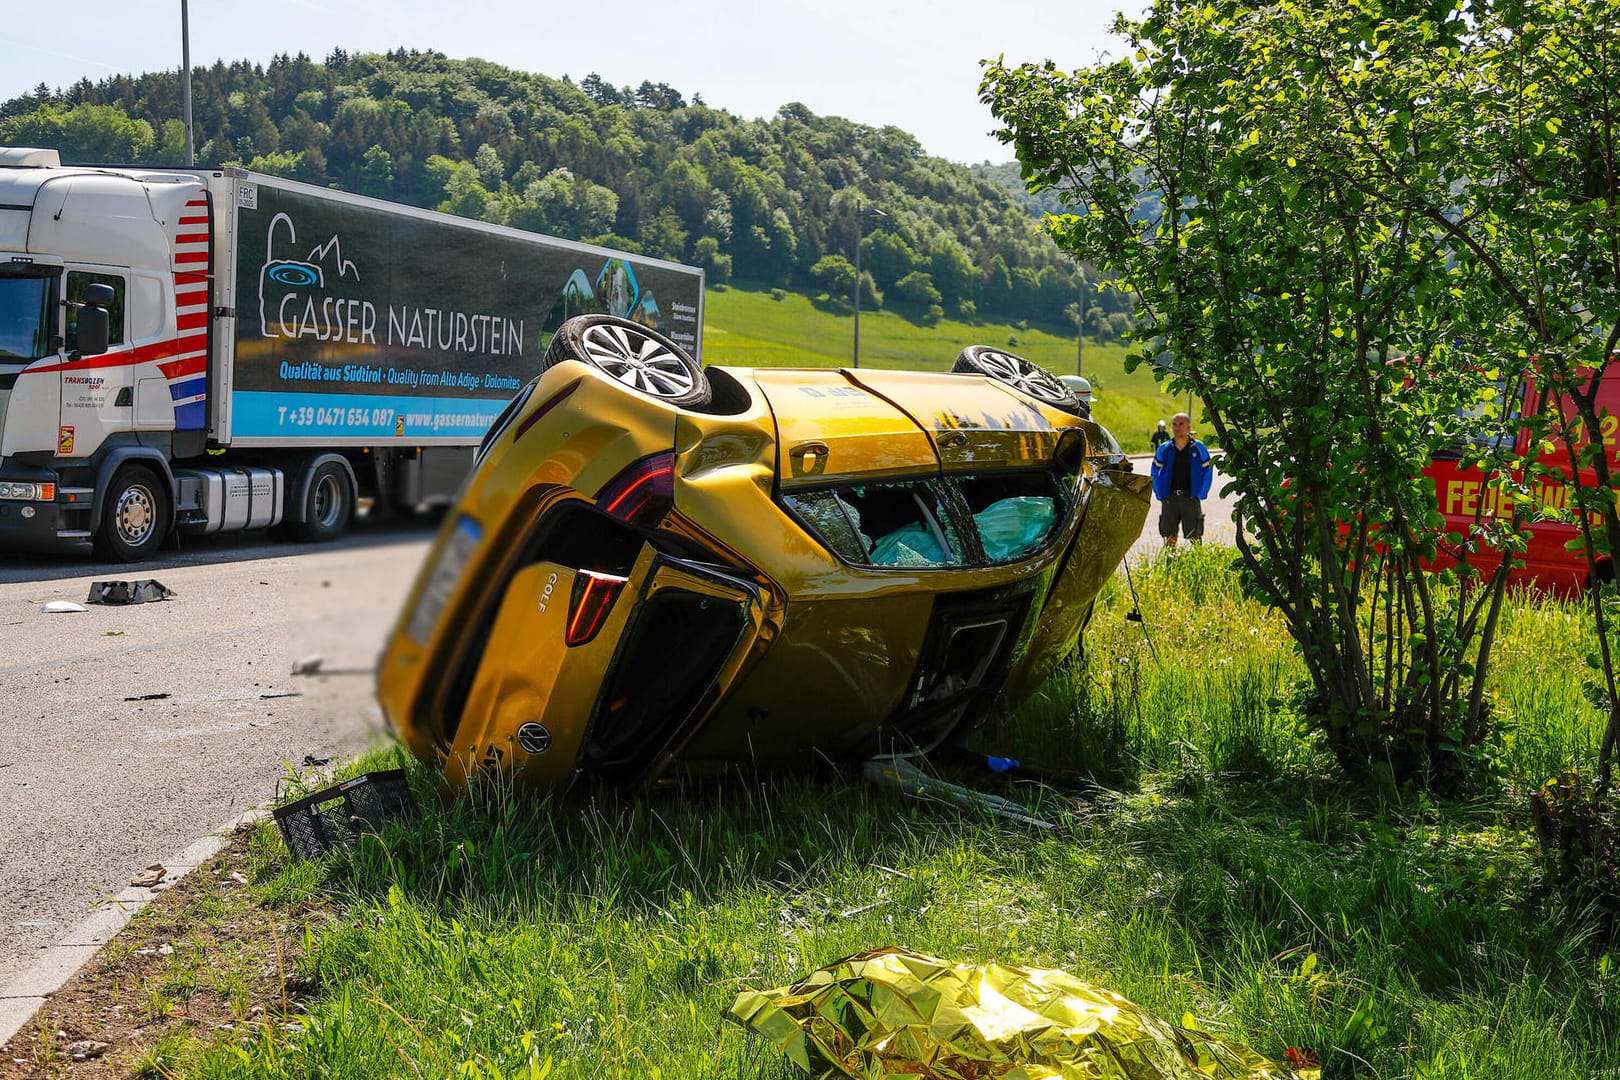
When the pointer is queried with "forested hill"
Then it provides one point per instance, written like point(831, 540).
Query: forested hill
point(773, 201)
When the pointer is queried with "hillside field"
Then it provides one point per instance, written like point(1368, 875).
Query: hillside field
point(745, 326)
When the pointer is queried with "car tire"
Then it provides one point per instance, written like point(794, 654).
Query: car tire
point(328, 504)
point(1027, 378)
point(136, 515)
point(632, 355)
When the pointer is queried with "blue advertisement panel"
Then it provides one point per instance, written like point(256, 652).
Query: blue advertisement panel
point(356, 321)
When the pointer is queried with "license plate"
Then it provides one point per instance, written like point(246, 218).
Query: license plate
point(441, 584)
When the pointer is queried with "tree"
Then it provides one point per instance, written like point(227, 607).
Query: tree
point(1307, 170)
point(917, 289)
point(86, 133)
point(662, 235)
point(835, 274)
point(377, 173)
point(952, 272)
point(707, 254)
point(887, 255)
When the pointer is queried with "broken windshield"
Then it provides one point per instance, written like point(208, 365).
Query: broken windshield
point(25, 315)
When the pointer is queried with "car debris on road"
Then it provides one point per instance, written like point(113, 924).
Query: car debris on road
point(129, 592)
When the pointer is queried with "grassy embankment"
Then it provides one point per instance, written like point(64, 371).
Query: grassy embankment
point(1218, 875)
point(745, 327)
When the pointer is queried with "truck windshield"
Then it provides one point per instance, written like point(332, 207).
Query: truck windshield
point(25, 314)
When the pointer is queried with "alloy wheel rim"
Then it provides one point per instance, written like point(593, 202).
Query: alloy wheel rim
point(637, 361)
point(1023, 375)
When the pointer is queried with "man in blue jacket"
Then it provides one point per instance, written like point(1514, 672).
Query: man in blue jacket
point(1181, 477)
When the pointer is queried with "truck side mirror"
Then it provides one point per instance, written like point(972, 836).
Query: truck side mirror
point(94, 327)
point(94, 324)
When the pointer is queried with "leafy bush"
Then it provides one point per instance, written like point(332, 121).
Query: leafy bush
point(1579, 832)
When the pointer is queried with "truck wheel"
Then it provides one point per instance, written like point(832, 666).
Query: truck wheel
point(135, 515)
point(632, 355)
point(1021, 375)
point(328, 504)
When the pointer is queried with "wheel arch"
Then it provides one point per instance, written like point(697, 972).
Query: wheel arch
point(304, 474)
point(108, 464)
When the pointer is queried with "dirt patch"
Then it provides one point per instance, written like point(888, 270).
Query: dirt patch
point(204, 962)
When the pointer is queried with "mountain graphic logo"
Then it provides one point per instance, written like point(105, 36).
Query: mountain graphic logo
point(283, 279)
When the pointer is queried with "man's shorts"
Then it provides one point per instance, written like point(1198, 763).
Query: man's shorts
point(1181, 512)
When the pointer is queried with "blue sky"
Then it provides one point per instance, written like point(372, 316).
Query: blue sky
point(912, 65)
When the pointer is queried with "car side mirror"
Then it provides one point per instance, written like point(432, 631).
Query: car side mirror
point(1070, 452)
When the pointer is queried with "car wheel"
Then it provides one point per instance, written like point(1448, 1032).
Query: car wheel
point(1014, 371)
point(328, 503)
point(135, 515)
point(633, 356)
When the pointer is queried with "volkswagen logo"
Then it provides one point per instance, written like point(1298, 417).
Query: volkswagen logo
point(533, 738)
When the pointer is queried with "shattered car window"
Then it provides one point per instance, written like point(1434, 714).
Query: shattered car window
point(1014, 513)
point(911, 524)
point(903, 524)
point(833, 520)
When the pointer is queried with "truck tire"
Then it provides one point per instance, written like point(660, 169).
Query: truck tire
point(136, 515)
point(1020, 374)
point(328, 504)
point(633, 356)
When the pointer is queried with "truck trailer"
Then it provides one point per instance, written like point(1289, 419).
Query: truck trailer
point(206, 350)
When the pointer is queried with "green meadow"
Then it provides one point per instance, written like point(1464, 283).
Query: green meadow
point(747, 326)
point(1207, 865)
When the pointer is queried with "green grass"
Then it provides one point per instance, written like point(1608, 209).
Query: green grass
point(745, 327)
point(1217, 872)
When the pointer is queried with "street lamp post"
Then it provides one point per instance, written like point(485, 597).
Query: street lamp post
point(860, 213)
point(185, 80)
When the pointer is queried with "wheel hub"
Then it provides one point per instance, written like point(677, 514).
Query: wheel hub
point(135, 514)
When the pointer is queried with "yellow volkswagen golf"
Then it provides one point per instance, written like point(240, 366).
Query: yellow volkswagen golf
point(656, 569)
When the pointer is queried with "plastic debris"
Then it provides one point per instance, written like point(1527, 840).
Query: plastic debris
point(905, 774)
point(128, 592)
point(1000, 764)
point(319, 824)
point(307, 665)
point(894, 1013)
point(57, 607)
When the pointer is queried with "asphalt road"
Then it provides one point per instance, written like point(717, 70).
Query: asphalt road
point(96, 783)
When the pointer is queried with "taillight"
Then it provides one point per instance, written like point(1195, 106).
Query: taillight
point(588, 609)
point(643, 493)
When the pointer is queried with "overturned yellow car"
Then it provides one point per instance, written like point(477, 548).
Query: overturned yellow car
point(656, 569)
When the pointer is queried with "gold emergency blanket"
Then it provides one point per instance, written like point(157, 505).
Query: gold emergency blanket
point(895, 1013)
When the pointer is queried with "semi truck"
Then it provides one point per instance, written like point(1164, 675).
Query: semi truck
point(207, 350)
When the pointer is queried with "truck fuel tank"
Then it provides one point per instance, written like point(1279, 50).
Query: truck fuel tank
point(226, 500)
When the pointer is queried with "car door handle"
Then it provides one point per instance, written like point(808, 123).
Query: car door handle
point(809, 449)
point(952, 440)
